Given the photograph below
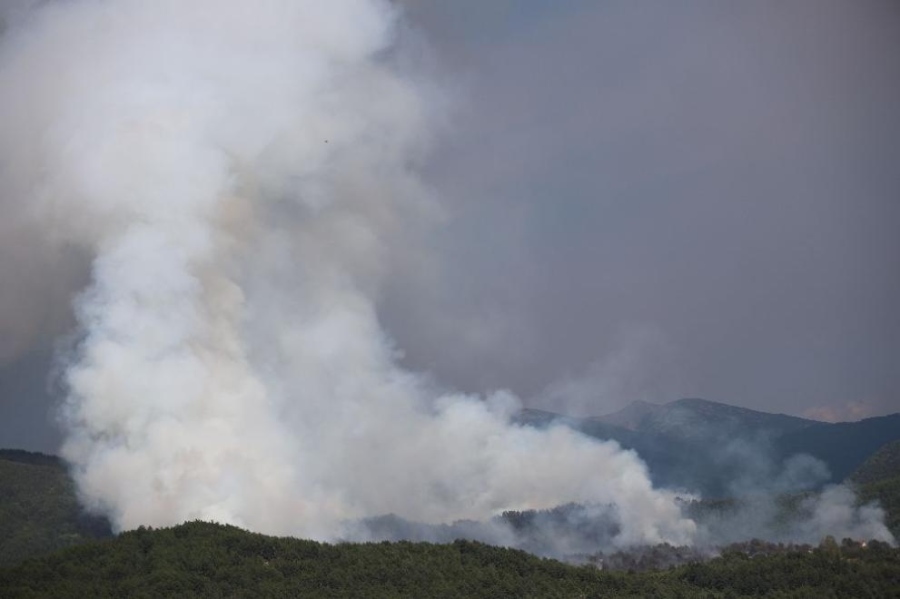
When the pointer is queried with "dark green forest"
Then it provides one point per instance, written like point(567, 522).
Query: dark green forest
point(39, 510)
point(887, 493)
point(878, 479)
point(200, 559)
point(881, 465)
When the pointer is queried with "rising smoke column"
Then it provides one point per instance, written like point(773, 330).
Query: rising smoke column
point(242, 172)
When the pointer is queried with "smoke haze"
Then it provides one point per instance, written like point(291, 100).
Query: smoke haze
point(241, 176)
point(212, 195)
point(722, 175)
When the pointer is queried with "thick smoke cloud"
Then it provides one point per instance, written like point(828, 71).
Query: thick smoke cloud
point(241, 175)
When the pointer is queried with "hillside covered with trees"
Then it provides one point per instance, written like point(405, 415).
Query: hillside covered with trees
point(39, 510)
point(209, 560)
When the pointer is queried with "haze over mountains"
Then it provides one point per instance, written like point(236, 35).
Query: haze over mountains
point(721, 450)
point(249, 201)
point(744, 463)
point(694, 417)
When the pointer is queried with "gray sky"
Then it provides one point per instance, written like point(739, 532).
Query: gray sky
point(643, 200)
point(650, 200)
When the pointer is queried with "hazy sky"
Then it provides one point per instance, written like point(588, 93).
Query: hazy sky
point(642, 200)
point(654, 199)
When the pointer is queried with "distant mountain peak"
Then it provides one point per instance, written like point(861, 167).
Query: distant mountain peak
point(684, 417)
point(631, 416)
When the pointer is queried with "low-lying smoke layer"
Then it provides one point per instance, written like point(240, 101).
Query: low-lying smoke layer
point(242, 172)
point(573, 532)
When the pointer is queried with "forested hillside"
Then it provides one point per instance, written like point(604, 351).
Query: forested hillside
point(881, 465)
point(843, 446)
point(39, 511)
point(887, 493)
point(209, 560)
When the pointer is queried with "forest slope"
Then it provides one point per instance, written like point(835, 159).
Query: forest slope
point(209, 560)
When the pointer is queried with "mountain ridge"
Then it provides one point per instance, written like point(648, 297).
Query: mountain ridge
point(640, 415)
point(675, 439)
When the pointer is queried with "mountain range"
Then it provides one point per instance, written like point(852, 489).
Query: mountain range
point(716, 449)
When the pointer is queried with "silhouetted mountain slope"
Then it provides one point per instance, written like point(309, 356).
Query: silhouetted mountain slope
point(881, 465)
point(30, 457)
point(632, 415)
point(878, 479)
point(692, 419)
point(39, 511)
point(843, 446)
point(722, 450)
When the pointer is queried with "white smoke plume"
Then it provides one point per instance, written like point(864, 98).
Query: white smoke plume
point(242, 172)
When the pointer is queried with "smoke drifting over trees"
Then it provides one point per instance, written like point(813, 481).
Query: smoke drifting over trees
point(241, 175)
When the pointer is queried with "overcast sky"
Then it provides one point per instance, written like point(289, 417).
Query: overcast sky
point(642, 200)
point(651, 200)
